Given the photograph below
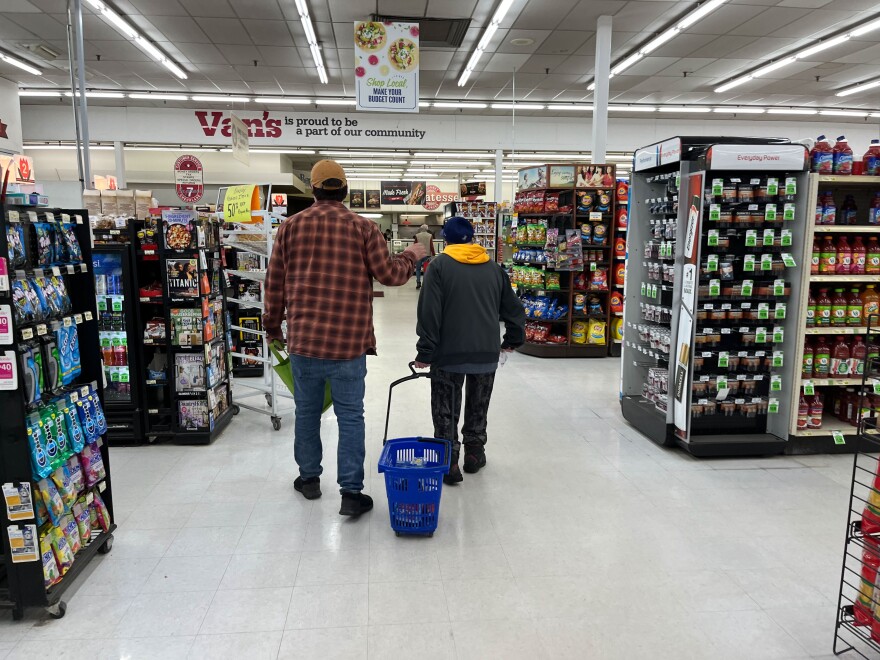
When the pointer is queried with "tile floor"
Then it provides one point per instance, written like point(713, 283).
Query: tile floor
point(581, 539)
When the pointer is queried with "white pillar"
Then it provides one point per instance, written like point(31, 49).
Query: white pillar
point(120, 165)
point(499, 167)
point(600, 94)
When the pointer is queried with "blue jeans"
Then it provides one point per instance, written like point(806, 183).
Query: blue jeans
point(419, 264)
point(346, 379)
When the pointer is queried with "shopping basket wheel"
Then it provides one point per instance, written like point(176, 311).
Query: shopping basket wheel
point(268, 399)
point(276, 423)
point(397, 533)
point(58, 610)
point(235, 409)
point(106, 547)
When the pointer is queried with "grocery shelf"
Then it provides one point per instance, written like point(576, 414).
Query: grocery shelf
point(845, 229)
point(830, 424)
point(852, 178)
point(831, 382)
point(833, 330)
point(831, 279)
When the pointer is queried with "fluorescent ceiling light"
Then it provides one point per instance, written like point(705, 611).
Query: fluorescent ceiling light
point(740, 111)
point(281, 100)
point(570, 106)
point(424, 104)
point(485, 38)
point(65, 147)
point(684, 108)
point(384, 153)
point(449, 154)
point(174, 149)
point(764, 70)
point(369, 162)
point(700, 12)
point(791, 111)
point(733, 83)
point(521, 156)
point(822, 45)
point(302, 7)
point(631, 108)
point(372, 216)
point(321, 101)
point(158, 97)
point(220, 99)
point(427, 175)
point(658, 41)
point(123, 27)
point(859, 88)
point(867, 27)
point(470, 163)
point(99, 95)
point(627, 63)
point(843, 113)
point(38, 92)
point(518, 106)
point(460, 104)
point(21, 64)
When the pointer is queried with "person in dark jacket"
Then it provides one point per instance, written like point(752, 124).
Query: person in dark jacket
point(464, 298)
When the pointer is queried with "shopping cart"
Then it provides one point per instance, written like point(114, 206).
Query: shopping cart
point(414, 469)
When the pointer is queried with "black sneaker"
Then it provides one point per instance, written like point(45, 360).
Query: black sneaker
point(418, 285)
point(474, 460)
point(310, 488)
point(454, 476)
point(354, 504)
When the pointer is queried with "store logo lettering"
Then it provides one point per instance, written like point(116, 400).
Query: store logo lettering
point(257, 128)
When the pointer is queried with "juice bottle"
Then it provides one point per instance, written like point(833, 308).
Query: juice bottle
point(807, 368)
point(840, 356)
point(858, 355)
point(814, 258)
point(816, 409)
point(838, 307)
point(872, 263)
point(874, 211)
point(844, 256)
point(871, 159)
point(823, 308)
point(821, 156)
point(859, 256)
point(848, 211)
point(873, 352)
point(821, 359)
point(820, 205)
point(842, 157)
point(828, 256)
point(811, 311)
point(863, 605)
point(872, 304)
point(803, 417)
point(829, 209)
point(854, 307)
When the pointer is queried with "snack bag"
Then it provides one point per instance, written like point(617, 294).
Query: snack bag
point(72, 250)
point(52, 363)
point(52, 499)
point(604, 200)
point(596, 334)
point(40, 461)
point(40, 510)
point(586, 232)
point(102, 512)
point(579, 302)
point(99, 411)
point(92, 465)
point(46, 302)
point(553, 282)
point(51, 574)
point(74, 469)
point(599, 279)
point(61, 291)
point(66, 489)
point(41, 311)
point(600, 233)
point(50, 443)
point(579, 332)
point(15, 242)
point(71, 532)
point(74, 430)
point(584, 201)
point(595, 307)
point(81, 515)
point(60, 432)
point(580, 282)
point(63, 553)
point(89, 424)
point(45, 243)
point(24, 311)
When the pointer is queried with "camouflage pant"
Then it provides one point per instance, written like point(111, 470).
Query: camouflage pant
point(476, 407)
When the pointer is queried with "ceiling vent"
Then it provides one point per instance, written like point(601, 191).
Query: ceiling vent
point(434, 32)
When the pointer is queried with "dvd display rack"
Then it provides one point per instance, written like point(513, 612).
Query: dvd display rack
point(54, 460)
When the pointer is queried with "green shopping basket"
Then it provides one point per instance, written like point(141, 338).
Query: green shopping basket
point(284, 373)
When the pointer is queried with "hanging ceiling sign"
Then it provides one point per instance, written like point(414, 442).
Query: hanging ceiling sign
point(240, 140)
point(189, 179)
point(386, 66)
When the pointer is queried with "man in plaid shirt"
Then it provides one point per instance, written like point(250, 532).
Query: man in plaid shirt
point(321, 272)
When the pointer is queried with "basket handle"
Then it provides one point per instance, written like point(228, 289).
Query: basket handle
point(414, 375)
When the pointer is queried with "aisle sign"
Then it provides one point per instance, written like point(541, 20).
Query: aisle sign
point(240, 140)
point(386, 66)
point(239, 202)
point(188, 179)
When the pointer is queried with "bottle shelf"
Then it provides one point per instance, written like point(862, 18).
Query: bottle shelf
point(837, 178)
point(832, 382)
point(843, 279)
point(846, 229)
point(830, 424)
point(832, 330)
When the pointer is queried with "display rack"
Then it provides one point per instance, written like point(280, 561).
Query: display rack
point(712, 304)
point(255, 240)
point(618, 266)
point(70, 392)
point(197, 372)
point(832, 426)
point(857, 628)
point(484, 217)
point(561, 208)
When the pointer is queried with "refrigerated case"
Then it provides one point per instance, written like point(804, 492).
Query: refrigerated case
point(119, 332)
point(713, 292)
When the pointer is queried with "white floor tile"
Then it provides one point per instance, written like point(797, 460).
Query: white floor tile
point(428, 641)
point(165, 615)
point(177, 574)
point(151, 648)
point(118, 577)
point(484, 599)
point(247, 610)
point(509, 639)
point(70, 649)
point(333, 567)
point(202, 541)
point(80, 621)
point(407, 602)
point(328, 606)
point(251, 645)
point(324, 643)
point(259, 571)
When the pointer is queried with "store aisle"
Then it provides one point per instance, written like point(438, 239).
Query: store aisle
point(580, 539)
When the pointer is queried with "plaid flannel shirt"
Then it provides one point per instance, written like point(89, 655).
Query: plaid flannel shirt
point(321, 272)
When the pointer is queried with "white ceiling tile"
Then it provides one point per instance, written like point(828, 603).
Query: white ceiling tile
point(208, 8)
point(201, 53)
point(764, 49)
point(34, 6)
point(723, 68)
point(159, 7)
point(177, 28)
point(769, 21)
point(252, 9)
point(240, 54)
point(563, 42)
point(585, 13)
point(686, 64)
point(721, 46)
point(12, 31)
point(505, 62)
point(351, 10)
point(95, 27)
point(817, 24)
point(725, 18)
point(224, 30)
point(250, 73)
point(863, 55)
point(122, 52)
point(576, 64)
point(684, 45)
point(274, 56)
point(451, 8)
point(810, 4)
point(647, 16)
point(858, 5)
point(45, 26)
point(503, 45)
point(538, 63)
point(435, 60)
point(268, 33)
point(402, 7)
point(650, 66)
point(544, 16)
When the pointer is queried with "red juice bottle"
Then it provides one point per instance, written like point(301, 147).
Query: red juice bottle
point(859, 256)
point(815, 257)
point(871, 159)
point(811, 310)
point(872, 263)
point(854, 307)
point(807, 369)
point(839, 305)
point(848, 214)
point(822, 359)
point(874, 211)
point(816, 408)
point(858, 355)
point(821, 156)
point(844, 256)
point(823, 309)
point(803, 417)
point(840, 356)
point(842, 157)
point(828, 256)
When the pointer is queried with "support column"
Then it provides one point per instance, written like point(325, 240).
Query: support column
point(499, 172)
point(600, 94)
point(119, 152)
point(83, 106)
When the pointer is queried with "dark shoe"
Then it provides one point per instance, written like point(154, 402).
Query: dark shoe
point(418, 285)
point(454, 476)
point(354, 504)
point(474, 460)
point(310, 488)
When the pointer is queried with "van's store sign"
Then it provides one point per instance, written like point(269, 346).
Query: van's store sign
point(311, 127)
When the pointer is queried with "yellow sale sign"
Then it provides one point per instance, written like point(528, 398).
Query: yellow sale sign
point(239, 202)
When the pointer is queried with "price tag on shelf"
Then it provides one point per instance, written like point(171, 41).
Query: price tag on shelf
point(763, 311)
point(67, 321)
point(50, 217)
point(79, 219)
point(753, 207)
point(83, 268)
point(777, 358)
point(712, 263)
point(74, 396)
point(65, 218)
point(773, 406)
point(27, 333)
point(714, 212)
point(838, 437)
point(70, 269)
point(721, 382)
point(713, 238)
point(714, 287)
point(706, 354)
point(84, 390)
point(775, 383)
point(768, 237)
point(779, 312)
point(13, 216)
point(56, 270)
point(788, 260)
point(723, 306)
point(809, 389)
point(725, 331)
point(87, 316)
point(744, 328)
point(592, 266)
point(875, 386)
point(78, 318)
point(766, 262)
point(116, 303)
point(770, 213)
point(746, 288)
point(32, 216)
point(760, 353)
point(749, 263)
point(723, 359)
point(42, 329)
point(751, 237)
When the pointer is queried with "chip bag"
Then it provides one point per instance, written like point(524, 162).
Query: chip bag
point(63, 553)
point(71, 532)
point(76, 476)
point(102, 512)
point(51, 574)
point(83, 520)
point(64, 484)
point(596, 334)
point(52, 499)
point(92, 465)
point(579, 332)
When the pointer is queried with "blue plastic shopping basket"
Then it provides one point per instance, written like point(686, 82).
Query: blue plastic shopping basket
point(414, 469)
